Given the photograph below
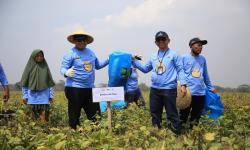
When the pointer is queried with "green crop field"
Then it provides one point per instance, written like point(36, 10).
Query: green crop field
point(131, 129)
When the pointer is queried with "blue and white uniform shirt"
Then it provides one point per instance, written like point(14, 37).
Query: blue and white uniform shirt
point(84, 62)
point(196, 72)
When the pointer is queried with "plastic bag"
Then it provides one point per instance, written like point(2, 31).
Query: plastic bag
point(119, 71)
point(119, 68)
point(213, 105)
point(114, 104)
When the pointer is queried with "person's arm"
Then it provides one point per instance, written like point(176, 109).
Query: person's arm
point(4, 82)
point(66, 64)
point(51, 94)
point(207, 79)
point(100, 65)
point(178, 62)
point(143, 68)
point(6, 93)
point(25, 94)
point(181, 74)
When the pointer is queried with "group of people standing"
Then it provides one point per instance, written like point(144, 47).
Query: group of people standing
point(167, 66)
point(78, 67)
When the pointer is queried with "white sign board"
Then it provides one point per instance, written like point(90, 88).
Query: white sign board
point(108, 94)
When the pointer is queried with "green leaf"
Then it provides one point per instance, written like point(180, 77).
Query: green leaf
point(60, 145)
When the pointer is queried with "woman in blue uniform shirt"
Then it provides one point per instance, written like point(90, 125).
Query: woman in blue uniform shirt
point(78, 67)
point(166, 67)
point(37, 86)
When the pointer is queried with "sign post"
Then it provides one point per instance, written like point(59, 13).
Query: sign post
point(108, 94)
point(109, 116)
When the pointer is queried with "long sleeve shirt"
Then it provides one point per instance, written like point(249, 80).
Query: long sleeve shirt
point(38, 97)
point(195, 68)
point(173, 69)
point(3, 78)
point(85, 62)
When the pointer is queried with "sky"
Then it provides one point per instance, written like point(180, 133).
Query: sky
point(129, 26)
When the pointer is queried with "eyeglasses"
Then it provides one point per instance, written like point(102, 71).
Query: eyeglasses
point(80, 39)
point(161, 39)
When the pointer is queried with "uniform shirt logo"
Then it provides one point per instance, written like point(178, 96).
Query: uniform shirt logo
point(77, 57)
point(189, 63)
point(169, 57)
point(87, 65)
point(196, 72)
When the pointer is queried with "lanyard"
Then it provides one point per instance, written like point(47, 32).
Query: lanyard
point(160, 61)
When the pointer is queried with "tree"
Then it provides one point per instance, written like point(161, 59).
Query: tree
point(243, 88)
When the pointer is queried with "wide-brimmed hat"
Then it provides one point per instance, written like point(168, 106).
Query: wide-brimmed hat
point(80, 32)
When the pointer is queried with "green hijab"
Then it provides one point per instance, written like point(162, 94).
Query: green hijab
point(36, 76)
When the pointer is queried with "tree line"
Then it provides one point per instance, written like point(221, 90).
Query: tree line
point(60, 87)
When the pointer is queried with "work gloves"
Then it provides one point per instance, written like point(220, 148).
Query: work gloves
point(70, 72)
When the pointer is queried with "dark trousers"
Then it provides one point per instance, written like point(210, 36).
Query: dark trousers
point(160, 98)
point(79, 98)
point(196, 109)
point(134, 96)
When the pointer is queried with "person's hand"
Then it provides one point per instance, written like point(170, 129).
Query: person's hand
point(25, 101)
point(70, 72)
point(137, 57)
point(6, 94)
point(183, 90)
point(51, 101)
point(214, 91)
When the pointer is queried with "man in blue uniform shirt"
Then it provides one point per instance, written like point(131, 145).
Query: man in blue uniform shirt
point(78, 66)
point(195, 68)
point(166, 67)
point(4, 82)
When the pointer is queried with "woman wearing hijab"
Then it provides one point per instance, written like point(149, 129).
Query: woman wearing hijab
point(37, 85)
